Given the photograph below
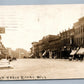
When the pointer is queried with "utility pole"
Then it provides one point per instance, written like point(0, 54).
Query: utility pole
point(19, 54)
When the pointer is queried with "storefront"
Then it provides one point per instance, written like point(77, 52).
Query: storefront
point(80, 53)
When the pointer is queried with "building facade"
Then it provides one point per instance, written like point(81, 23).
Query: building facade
point(35, 50)
point(67, 42)
point(61, 45)
point(79, 33)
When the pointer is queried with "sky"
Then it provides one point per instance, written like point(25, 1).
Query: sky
point(25, 24)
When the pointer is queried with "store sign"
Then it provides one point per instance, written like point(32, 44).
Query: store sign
point(2, 30)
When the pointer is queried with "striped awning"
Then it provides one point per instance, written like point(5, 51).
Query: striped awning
point(81, 51)
point(73, 52)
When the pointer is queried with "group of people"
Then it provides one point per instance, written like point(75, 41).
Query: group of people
point(76, 57)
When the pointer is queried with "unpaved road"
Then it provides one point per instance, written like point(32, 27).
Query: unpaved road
point(44, 68)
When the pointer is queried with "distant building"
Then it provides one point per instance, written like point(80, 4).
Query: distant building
point(9, 51)
point(21, 53)
point(18, 53)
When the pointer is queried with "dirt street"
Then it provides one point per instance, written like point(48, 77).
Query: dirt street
point(43, 69)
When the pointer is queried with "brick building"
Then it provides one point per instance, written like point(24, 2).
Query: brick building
point(34, 49)
point(60, 46)
point(79, 33)
point(49, 44)
point(67, 42)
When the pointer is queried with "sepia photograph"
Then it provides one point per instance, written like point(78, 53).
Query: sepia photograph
point(40, 42)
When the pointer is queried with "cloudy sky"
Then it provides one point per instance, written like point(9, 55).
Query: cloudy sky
point(27, 23)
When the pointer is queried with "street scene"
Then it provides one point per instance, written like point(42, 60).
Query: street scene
point(41, 42)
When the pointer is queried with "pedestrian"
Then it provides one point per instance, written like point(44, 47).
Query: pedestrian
point(81, 57)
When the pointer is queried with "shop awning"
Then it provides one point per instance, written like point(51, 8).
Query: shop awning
point(73, 52)
point(81, 51)
point(44, 53)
